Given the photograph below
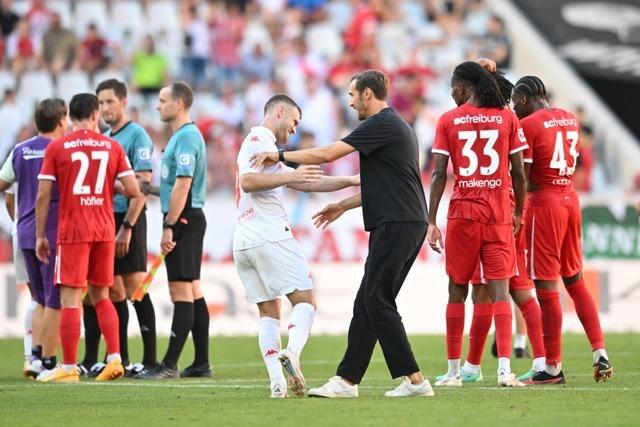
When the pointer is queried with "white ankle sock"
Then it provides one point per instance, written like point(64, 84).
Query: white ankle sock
point(504, 364)
point(269, 341)
point(299, 327)
point(69, 368)
point(520, 341)
point(553, 369)
point(598, 353)
point(470, 368)
point(111, 357)
point(454, 367)
point(538, 364)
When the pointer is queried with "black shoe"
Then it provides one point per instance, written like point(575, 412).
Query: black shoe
point(199, 371)
point(132, 370)
point(95, 369)
point(158, 372)
point(494, 347)
point(602, 370)
point(545, 378)
point(521, 353)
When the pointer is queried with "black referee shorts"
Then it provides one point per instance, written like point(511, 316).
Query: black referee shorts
point(184, 261)
point(136, 259)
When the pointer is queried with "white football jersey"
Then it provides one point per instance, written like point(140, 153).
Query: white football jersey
point(261, 214)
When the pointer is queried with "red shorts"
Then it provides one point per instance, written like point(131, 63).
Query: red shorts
point(79, 263)
point(467, 240)
point(521, 281)
point(553, 235)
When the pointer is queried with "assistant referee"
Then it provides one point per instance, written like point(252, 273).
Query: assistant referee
point(395, 213)
point(183, 180)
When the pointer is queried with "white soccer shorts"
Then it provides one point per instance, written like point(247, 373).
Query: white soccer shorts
point(18, 262)
point(273, 270)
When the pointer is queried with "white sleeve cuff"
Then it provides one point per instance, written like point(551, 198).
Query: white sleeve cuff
point(445, 152)
point(47, 177)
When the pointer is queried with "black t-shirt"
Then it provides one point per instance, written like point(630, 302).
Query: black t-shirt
point(389, 172)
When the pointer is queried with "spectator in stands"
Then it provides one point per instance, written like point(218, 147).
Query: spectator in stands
point(196, 41)
point(149, 69)
point(258, 64)
point(227, 30)
point(497, 43)
point(11, 120)
point(40, 17)
point(93, 56)
point(22, 48)
point(59, 46)
point(8, 18)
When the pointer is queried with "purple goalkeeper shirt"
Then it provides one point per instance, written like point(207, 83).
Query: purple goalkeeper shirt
point(27, 160)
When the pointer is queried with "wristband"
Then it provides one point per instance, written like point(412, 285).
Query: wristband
point(127, 225)
point(281, 155)
point(165, 224)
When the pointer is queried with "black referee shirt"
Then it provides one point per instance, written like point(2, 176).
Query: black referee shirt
point(389, 172)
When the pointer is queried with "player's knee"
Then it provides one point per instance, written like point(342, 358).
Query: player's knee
point(457, 293)
point(480, 295)
point(568, 281)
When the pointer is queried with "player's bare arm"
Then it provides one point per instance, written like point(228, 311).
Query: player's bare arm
point(333, 211)
point(311, 156)
point(10, 203)
point(327, 184)
point(43, 251)
point(136, 204)
point(179, 196)
point(519, 183)
point(251, 182)
point(438, 182)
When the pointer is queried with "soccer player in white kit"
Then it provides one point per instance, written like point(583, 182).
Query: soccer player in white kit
point(269, 261)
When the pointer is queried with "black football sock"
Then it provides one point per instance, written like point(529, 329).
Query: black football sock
point(180, 327)
point(147, 321)
point(49, 362)
point(91, 336)
point(36, 352)
point(200, 332)
point(123, 321)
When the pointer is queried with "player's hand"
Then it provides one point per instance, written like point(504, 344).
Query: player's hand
point(517, 223)
point(123, 239)
point(166, 242)
point(434, 237)
point(43, 251)
point(488, 64)
point(306, 174)
point(266, 158)
point(355, 180)
point(326, 216)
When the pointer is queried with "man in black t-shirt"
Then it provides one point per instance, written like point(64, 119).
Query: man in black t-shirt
point(395, 213)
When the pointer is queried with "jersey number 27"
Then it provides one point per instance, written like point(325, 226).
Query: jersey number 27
point(79, 186)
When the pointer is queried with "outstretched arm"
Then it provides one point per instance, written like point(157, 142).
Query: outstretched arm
point(334, 211)
point(310, 156)
point(305, 174)
point(327, 184)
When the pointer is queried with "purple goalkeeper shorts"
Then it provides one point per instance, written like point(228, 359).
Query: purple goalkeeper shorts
point(41, 279)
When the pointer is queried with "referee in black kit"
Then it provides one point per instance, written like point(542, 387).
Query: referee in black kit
point(395, 213)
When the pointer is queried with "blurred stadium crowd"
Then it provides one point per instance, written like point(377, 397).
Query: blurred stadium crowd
point(236, 54)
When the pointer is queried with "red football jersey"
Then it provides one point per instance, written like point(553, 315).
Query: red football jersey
point(479, 141)
point(553, 137)
point(85, 165)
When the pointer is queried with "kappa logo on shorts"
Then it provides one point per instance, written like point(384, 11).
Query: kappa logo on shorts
point(254, 139)
point(144, 154)
point(184, 160)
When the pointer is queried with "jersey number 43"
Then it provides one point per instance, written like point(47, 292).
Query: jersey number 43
point(558, 160)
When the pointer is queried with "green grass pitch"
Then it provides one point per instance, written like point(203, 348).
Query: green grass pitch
point(238, 394)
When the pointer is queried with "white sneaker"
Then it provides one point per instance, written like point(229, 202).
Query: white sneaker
point(291, 365)
point(335, 387)
point(279, 391)
point(34, 368)
point(447, 381)
point(58, 375)
point(508, 379)
point(406, 389)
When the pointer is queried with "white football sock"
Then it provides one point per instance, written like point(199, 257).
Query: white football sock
point(554, 369)
point(270, 345)
point(520, 341)
point(504, 364)
point(113, 356)
point(538, 364)
point(470, 368)
point(28, 336)
point(454, 367)
point(598, 353)
point(299, 327)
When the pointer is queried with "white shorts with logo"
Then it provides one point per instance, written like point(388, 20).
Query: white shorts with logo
point(273, 270)
point(18, 262)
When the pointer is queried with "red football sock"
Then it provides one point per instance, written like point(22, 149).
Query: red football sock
point(551, 315)
point(109, 325)
point(69, 334)
point(503, 317)
point(480, 325)
point(455, 329)
point(532, 318)
point(587, 313)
